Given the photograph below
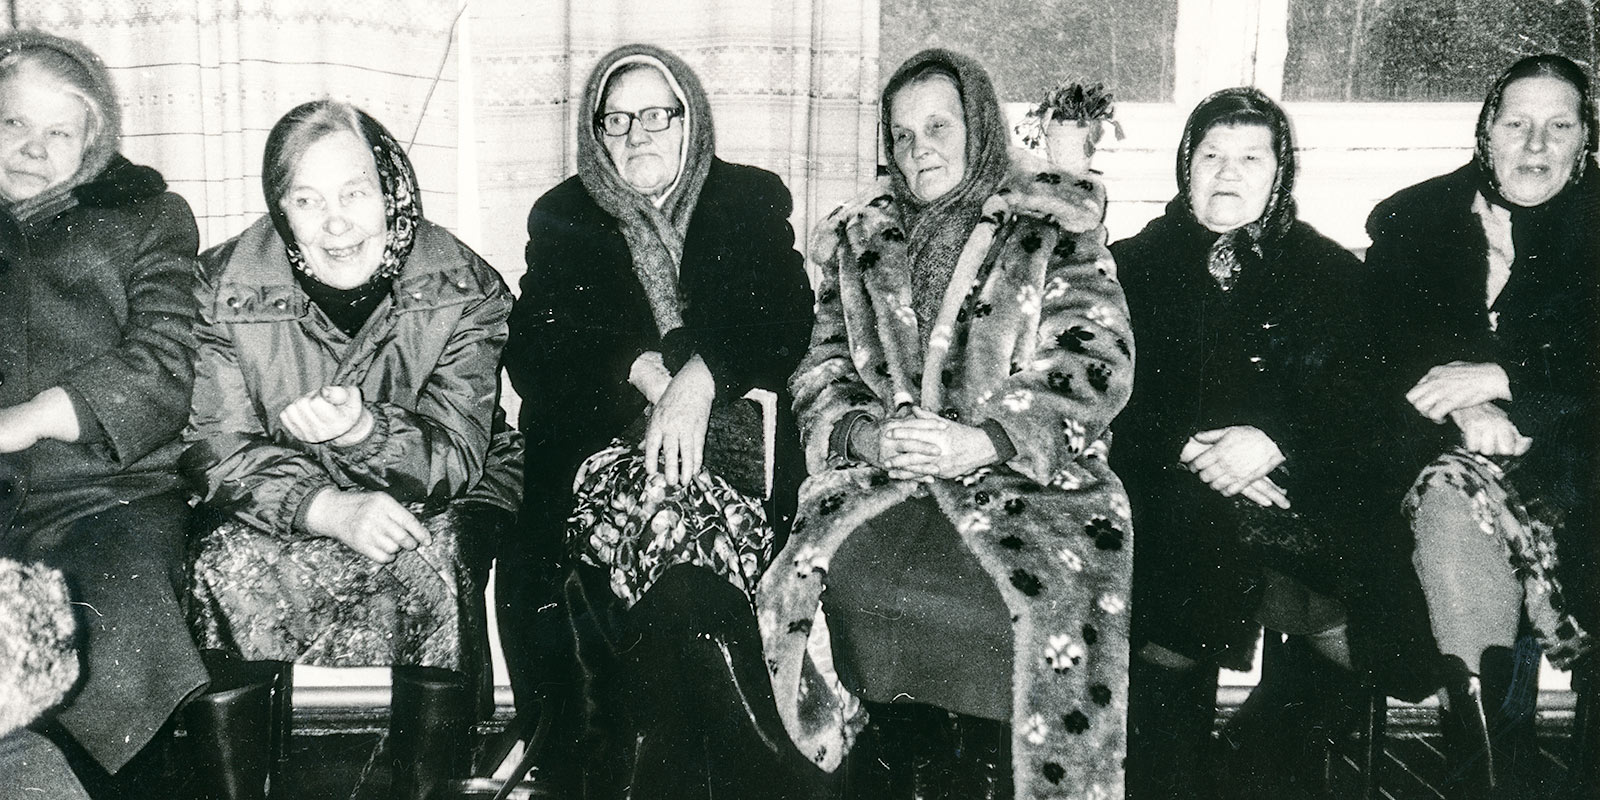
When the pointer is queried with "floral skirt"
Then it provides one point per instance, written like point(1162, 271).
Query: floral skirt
point(633, 525)
point(1529, 539)
point(315, 601)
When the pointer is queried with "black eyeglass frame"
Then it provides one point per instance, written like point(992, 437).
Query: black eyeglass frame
point(673, 112)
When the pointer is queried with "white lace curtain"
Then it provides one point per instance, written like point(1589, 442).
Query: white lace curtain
point(484, 90)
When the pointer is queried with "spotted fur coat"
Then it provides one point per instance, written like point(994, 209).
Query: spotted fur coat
point(1032, 333)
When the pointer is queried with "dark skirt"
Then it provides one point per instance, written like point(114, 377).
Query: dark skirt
point(125, 565)
point(316, 601)
point(914, 617)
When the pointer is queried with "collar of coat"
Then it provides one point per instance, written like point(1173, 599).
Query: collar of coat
point(257, 283)
point(865, 242)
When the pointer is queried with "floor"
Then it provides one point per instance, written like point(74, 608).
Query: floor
point(344, 759)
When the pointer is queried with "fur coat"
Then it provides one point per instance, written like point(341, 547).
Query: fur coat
point(1033, 334)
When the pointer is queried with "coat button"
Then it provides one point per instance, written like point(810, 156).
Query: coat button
point(280, 304)
point(416, 295)
point(233, 302)
point(462, 285)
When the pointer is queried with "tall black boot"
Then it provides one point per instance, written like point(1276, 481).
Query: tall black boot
point(238, 730)
point(907, 753)
point(1583, 762)
point(1276, 744)
point(982, 768)
point(1171, 714)
point(429, 717)
point(1510, 680)
point(1469, 758)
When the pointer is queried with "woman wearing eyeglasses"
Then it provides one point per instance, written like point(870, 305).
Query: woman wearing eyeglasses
point(662, 282)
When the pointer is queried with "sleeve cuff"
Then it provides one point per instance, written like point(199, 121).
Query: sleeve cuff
point(1004, 448)
point(369, 447)
point(839, 448)
point(90, 431)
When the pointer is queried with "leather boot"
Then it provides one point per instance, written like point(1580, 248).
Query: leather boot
point(238, 730)
point(429, 717)
point(1510, 681)
point(1171, 715)
point(982, 767)
point(1277, 744)
point(908, 755)
point(1583, 763)
point(1469, 759)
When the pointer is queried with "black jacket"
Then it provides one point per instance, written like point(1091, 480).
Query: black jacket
point(583, 317)
point(1287, 351)
point(1429, 260)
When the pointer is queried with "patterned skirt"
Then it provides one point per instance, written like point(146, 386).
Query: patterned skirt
point(633, 525)
point(1529, 540)
point(315, 601)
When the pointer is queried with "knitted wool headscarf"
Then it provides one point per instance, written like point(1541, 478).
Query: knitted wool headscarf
point(1242, 105)
point(85, 76)
point(1549, 66)
point(654, 230)
point(939, 229)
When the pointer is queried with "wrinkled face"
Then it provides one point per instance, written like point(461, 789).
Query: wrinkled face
point(1536, 140)
point(335, 209)
point(44, 130)
point(1230, 176)
point(929, 130)
point(647, 161)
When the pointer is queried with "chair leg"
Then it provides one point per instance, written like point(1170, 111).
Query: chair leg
point(1373, 733)
point(1583, 762)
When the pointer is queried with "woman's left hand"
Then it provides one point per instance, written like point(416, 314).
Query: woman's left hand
point(950, 449)
point(1233, 458)
point(49, 415)
point(1457, 385)
point(330, 414)
point(675, 440)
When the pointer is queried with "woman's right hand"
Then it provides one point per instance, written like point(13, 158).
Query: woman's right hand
point(1236, 460)
point(1486, 429)
point(371, 523)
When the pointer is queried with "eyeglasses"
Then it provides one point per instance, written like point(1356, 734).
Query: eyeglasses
point(653, 119)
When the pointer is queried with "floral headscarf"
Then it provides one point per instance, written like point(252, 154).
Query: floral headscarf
point(402, 204)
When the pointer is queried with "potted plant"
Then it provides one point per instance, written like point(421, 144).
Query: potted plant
point(1069, 122)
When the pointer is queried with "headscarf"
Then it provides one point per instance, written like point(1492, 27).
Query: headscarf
point(1550, 66)
point(1243, 105)
point(397, 180)
point(79, 68)
point(939, 229)
point(654, 230)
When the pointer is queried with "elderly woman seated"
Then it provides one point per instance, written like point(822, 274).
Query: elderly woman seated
point(1249, 449)
point(95, 372)
point(345, 446)
point(957, 580)
point(1486, 282)
point(662, 286)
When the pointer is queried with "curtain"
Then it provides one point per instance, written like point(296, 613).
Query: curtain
point(484, 91)
point(793, 89)
point(202, 82)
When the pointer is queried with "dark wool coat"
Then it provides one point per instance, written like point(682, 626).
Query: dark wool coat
point(1032, 334)
point(1429, 260)
point(1286, 350)
point(427, 364)
point(96, 297)
point(583, 319)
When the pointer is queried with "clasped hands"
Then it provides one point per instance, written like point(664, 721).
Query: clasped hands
point(1465, 393)
point(675, 438)
point(923, 446)
point(1236, 460)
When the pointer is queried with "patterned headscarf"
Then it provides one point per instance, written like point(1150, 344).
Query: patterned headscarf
point(1548, 66)
point(1244, 105)
point(939, 229)
point(304, 126)
point(654, 230)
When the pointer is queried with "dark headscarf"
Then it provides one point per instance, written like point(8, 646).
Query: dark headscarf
point(77, 66)
point(1244, 105)
point(939, 229)
point(402, 202)
point(654, 233)
point(1550, 66)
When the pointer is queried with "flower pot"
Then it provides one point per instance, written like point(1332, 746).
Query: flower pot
point(1070, 143)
